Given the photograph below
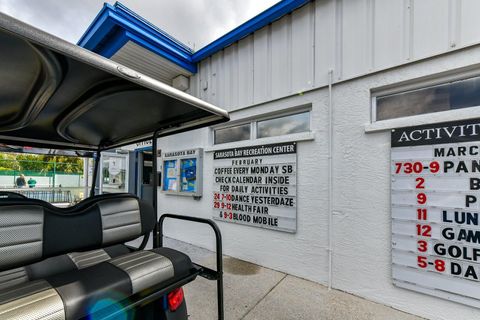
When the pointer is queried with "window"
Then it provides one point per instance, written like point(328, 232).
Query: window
point(231, 134)
point(284, 125)
point(114, 173)
point(264, 128)
point(448, 96)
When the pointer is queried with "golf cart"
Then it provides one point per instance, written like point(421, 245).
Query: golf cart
point(73, 263)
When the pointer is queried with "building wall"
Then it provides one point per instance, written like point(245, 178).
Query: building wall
point(368, 44)
point(362, 223)
point(361, 193)
point(351, 37)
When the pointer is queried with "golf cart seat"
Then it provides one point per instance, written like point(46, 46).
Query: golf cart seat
point(69, 286)
point(59, 264)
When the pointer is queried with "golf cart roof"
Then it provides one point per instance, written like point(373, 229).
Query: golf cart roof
point(58, 95)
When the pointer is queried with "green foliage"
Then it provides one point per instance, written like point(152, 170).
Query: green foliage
point(42, 164)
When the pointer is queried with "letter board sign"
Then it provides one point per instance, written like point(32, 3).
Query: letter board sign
point(435, 204)
point(257, 186)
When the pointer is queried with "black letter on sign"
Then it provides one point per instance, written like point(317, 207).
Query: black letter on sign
point(474, 183)
point(469, 200)
point(447, 165)
point(455, 269)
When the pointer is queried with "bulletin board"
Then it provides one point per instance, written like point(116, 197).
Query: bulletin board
point(183, 172)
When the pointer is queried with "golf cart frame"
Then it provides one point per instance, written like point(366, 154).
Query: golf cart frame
point(73, 89)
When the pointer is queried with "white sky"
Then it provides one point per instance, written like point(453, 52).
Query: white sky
point(194, 22)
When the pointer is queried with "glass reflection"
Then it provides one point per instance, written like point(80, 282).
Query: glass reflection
point(237, 133)
point(284, 125)
point(449, 96)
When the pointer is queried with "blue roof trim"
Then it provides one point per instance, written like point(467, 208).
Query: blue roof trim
point(116, 43)
point(161, 51)
point(127, 11)
point(266, 17)
point(97, 29)
point(115, 25)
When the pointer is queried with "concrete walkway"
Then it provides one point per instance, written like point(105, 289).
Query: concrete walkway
point(256, 293)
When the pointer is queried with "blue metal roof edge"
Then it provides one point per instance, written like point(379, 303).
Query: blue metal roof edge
point(145, 34)
point(259, 21)
point(93, 25)
point(116, 25)
point(126, 10)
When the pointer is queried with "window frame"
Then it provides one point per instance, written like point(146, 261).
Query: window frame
point(232, 125)
point(417, 84)
point(253, 121)
point(279, 117)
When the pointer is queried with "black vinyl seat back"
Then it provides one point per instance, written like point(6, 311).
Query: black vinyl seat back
point(33, 230)
point(11, 195)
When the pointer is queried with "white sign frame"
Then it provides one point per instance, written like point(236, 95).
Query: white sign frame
point(261, 182)
point(436, 262)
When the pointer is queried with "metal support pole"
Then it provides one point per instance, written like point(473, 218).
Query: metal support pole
point(95, 173)
point(86, 162)
point(218, 274)
point(54, 176)
point(156, 239)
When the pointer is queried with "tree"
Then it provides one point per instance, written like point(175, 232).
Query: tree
point(42, 164)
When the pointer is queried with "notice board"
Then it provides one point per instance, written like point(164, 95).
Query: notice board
point(183, 172)
point(435, 206)
point(257, 186)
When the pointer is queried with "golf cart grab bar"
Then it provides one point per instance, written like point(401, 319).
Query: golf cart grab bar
point(208, 273)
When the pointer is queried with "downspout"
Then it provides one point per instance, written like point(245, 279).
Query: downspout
point(330, 179)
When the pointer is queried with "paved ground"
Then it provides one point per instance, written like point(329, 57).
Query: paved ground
point(256, 293)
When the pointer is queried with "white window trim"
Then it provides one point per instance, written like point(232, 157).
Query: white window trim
point(302, 136)
point(427, 118)
point(253, 130)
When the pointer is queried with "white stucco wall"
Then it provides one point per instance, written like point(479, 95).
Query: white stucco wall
point(361, 225)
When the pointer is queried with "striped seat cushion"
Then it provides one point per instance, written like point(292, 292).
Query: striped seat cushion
point(77, 293)
point(59, 264)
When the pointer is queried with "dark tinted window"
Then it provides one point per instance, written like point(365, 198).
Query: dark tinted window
point(231, 134)
point(448, 96)
point(294, 123)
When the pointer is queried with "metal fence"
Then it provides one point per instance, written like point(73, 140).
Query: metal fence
point(49, 195)
point(46, 174)
point(50, 181)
